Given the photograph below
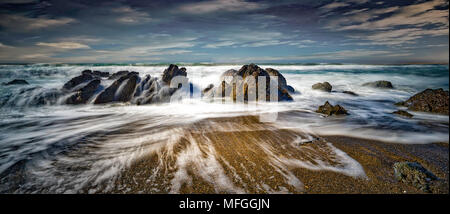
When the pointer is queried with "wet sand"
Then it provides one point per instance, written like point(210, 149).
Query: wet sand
point(251, 157)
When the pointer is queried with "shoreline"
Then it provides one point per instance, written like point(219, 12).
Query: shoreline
point(249, 168)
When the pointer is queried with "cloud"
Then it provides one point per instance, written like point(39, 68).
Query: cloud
point(220, 44)
point(64, 45)
point(128, 15)
point(219, 6)
point(334, 5)
point(16, 22)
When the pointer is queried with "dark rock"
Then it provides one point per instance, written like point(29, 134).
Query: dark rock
point(17, 82)
point(118, 74)
point(100, 73)
point(281, 80)
point(325, 86)
point(171, 72)
point(84, 77)
point(143, 85)
point(208, 88)
point(414, 174)
point(350, 92)
point(87, 72)
point(403, 113)
point(248, 87)
point(120, 90)
point(82, 96)
point(379, 84)
point(329, 109)
point(429, 100)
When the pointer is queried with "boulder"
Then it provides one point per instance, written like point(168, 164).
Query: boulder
point(120, 90)
point(379, 84)
point(403, 113)
point(414, 174)
point(17, 82)
point(325, 86)
point(242, 87)
point(329, 109)
point(429, 100)
point(83, 78)
point(171, 72)
point(281, 80)
point(82, 95)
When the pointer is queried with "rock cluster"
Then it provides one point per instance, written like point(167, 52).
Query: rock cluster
point(236, 84)
point(429, 100)
point(329, 109)
point(414, 174)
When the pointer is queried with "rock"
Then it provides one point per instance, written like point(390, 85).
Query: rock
point(379, 84)
point(171, 72)
point(144, 84)
point(82, 96)
point(100, 73)
point(84, 77)
point(329, 109)
point(429, 100)
point(403, 113)
point(350, 93)
point(17, 82)
point(245, 84)
point(325, 86)
point(414, 174)
point(118, 74)
point(207, 89)
point(120, 90)
point(281, 80)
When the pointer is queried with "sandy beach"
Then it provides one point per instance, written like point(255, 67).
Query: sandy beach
point(247, 159)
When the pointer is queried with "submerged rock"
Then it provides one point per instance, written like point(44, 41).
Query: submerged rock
point(429, 100)
point(403, 113)
point(17, 82)
point(414, 174)
point(325, 86)
point(329, 109)
point(379, 84)
point(171, 72)
point(350, 93)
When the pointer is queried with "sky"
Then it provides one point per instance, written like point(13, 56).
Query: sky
point(224, 31)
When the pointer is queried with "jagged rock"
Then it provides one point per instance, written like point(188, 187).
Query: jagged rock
point(429, 100)
point(119, 91)
point(329, 109)
point(350, 92)
point(82, 95)
point(325, 86)
point(171, 72)
point(16, 82)
point(100, 73)
point(414, 174)
point(118, 74)
point(403, 113)
point(379, 84)
point(144, 84)
point(83, 78)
